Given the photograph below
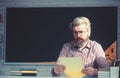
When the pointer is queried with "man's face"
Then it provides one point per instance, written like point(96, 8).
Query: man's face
point(80, 33)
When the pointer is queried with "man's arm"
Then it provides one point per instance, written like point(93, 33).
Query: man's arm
point(100, 62)
point(101, 58)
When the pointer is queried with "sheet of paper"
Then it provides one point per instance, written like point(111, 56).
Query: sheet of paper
point(73, 66)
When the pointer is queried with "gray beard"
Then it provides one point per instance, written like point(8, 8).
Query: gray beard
point(81, 43)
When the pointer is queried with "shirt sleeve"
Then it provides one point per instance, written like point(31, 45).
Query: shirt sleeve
point(65, 50)
point(101, 58)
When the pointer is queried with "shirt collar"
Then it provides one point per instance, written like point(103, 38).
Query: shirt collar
point(74, 46)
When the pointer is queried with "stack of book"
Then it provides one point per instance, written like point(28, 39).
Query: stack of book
point(103, 74)
point(24, 72)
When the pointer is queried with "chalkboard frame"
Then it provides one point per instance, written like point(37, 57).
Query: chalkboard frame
point(68, 15)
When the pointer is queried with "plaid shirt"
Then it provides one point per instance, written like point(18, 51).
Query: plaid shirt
point(92, 54)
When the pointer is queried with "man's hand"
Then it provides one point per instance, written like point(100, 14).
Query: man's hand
point(58, 68)
point(90, 71)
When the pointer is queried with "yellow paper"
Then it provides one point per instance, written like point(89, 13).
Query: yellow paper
point(73, 66)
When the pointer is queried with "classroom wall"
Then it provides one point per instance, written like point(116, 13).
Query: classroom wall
point(44, 69)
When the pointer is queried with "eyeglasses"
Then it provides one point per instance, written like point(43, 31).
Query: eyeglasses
point(79, 32)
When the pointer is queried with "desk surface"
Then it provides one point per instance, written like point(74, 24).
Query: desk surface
point(37, 77)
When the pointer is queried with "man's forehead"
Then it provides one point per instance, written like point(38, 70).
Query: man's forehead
point(80, 27)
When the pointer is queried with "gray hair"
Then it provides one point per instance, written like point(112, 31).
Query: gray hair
point(81, 20)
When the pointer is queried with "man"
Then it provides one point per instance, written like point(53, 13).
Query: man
point(91, 52)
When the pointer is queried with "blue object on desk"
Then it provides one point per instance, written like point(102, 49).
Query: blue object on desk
point(88, 77)
point(114, 72)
